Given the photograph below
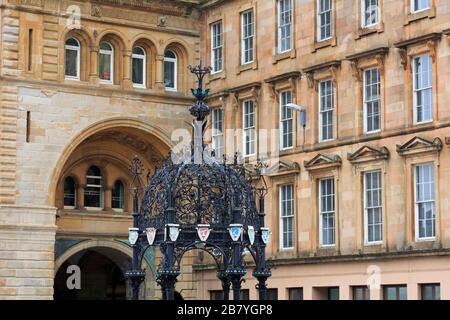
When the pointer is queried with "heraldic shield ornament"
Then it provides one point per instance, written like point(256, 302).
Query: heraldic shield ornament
point(174, 231)
point(251, 234)
point(203, 231)
point(235, 231)
point(151, 234)
point(133, 235)
point(265, 235)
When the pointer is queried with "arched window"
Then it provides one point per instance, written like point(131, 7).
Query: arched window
point(118, 195)
point(72, 66)
point(170, 70)
point(93, 193)
point(106, 63)
point(139, 67)
point(69, 192)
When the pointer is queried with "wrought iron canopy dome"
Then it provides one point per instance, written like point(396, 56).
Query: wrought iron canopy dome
point(207, 193)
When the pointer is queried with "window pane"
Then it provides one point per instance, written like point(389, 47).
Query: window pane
point(69, 192)
point(295, 293)
point(71, 63)
point(169, 74)
point(138, 71)
point(105, 66)
point(118, 196)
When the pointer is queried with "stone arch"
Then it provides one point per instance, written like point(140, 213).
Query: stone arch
point(111, 246)
point(86, 41)
point(161, 140)
point(183, 60)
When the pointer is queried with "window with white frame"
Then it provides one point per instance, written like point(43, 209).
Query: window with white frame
point(248, 36)
point(72, 66)
point(286, 121)
point(139, 62)
point(216, 46)
point(284, 25)
point(106, 63)
point(326, 110)
point(419, 5)
point(286, 196)
point(249, 128)
point(217, 132)
point(170, 70)
point(372, 100)
point(326, 212)
point(424, 201)
point(324, 19)
point(422, 82)
point(370, 10)
point(93, 193)
point(372, 207)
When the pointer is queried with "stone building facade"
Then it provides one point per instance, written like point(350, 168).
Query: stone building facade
point(359, 195)
point(356, 196)
point(82, 91)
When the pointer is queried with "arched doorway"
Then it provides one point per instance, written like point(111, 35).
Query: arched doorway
point(92, 192)
point(101, 274)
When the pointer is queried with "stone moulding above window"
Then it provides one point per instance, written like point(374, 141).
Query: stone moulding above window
point(418, 145)
point(310, 72)
point(251, 91)
point(430, 39)
point(285, 81)
point(368, 153)
point(282, 168)
point(378, 54)
point(323, 161)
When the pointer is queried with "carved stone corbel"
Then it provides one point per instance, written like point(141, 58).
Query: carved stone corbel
point(431, 45)
point(274, 92)
point(403, 57)
point(356, 71)
point(380, 61)
point(333, 72)
point(312, 83)
point(293, 84)
point(255, 95)
point(235, 98)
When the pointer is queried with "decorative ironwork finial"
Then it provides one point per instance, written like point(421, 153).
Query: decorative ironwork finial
point(136, 169)
point(200, 109)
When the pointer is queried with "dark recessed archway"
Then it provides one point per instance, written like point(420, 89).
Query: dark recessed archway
point(102, 277)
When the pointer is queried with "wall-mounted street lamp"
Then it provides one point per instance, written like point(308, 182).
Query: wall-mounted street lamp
point(302, 111)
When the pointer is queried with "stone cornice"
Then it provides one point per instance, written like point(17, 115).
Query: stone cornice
point(423, 38)
point(368, 153)
point(368, 53)
point(283, 167)
point(419, 145)
point(284, 76)
point(173, 7)
point(296, 260)
point(323, 161)
point(325, 65)
point(86, 88)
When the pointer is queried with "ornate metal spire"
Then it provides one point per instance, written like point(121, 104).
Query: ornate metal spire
point(200, 109)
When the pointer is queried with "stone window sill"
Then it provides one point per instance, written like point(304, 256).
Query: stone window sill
point(363, 32)
point(249, 66)
point(323, 44)
point(217, 75)
point(291, 54)
point(413, 17)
